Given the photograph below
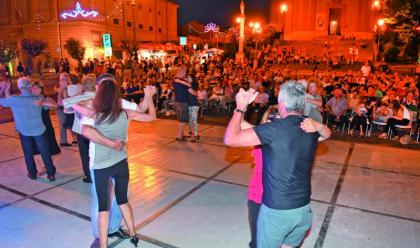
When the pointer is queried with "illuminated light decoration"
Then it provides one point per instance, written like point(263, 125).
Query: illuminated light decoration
point(211, 27)
point(79, 11)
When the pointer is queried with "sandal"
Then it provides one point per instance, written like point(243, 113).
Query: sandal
point(135, 240)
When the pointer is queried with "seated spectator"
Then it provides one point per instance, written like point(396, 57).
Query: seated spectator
point(313, 104)
point(258, 107)
point(203, 97)
point(382, 113)
point(217, 93)
point(401, 117)
point(359, 118)
point(353, 100)
point(336, 109)
point(229, 93)
point(410, 102)
point(165, 97)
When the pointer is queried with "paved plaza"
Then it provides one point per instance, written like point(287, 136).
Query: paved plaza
point(191, 195)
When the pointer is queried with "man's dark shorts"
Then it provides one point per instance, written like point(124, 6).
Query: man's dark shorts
point(182, 111)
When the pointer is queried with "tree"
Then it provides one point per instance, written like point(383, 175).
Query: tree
point(8, 51)
point(32, 48)
point(76, 50)
point(401, 18)
point(130, 48)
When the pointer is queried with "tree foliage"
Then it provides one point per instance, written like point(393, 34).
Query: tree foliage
point(402, 17)
point(8, 51)
point(128, 46)
point(75, 49)
point(33, 47)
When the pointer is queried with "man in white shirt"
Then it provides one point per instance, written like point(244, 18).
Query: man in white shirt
point(366, 69)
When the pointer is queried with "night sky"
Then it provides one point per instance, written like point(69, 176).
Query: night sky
point(221, 12)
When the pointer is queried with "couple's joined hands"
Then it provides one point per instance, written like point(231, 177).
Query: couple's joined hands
point(244, 98)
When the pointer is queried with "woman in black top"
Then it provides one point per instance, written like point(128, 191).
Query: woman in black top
point(38, 90)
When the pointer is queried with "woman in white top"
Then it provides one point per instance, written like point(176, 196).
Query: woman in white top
point(401, 117)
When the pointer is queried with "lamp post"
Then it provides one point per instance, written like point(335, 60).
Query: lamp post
point(381, 22)
point(60, 45)
point(283, 10)
point(241, 20)
point(376, 7)
point(133, 5)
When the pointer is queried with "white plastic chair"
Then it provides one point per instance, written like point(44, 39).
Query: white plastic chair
point(413, 115)
point(377, 123)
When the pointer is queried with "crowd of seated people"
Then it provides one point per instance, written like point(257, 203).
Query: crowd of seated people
point(343, 99)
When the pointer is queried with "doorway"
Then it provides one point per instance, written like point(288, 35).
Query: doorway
point(334, 23)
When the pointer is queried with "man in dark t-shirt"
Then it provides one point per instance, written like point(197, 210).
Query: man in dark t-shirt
point(181, 86)
point(288, 145)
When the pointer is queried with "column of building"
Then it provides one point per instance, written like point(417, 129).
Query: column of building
point(12, 11)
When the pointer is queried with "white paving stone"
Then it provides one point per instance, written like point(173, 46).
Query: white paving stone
point(354, 229)
point(200, 221)
point(30, 224)
point(383, 192)
point(7, 197)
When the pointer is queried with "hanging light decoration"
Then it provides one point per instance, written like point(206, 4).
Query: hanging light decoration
point(79, 11)
point(211, 27)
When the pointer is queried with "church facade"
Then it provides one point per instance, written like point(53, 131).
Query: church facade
point(309, 19)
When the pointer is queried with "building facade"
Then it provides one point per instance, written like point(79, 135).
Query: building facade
point(133, 20)
point(308, 19)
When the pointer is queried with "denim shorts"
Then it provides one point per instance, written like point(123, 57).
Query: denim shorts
point(278, 227)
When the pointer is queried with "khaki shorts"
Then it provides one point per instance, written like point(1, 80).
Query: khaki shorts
point(182, 111)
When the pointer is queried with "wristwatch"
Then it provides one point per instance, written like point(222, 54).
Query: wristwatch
point(239, 111)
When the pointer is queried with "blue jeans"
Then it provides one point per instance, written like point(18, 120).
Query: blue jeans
point(28, 151)
point(278, 227)
point(115, 214)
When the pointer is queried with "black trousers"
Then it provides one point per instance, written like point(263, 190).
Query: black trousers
point(391, 123)
point(83, 144)
point(119, 172)
point(359, 121)
point(253, 212)
point(28, 152)
point(332, 120)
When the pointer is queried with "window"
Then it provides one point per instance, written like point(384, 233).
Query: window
point(150, 28)
point(141, 26)
point(160, 30)
point(116, 21)
point(129, 24)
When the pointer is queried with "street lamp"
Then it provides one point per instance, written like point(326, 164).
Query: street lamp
point(381, 23)
point(283, 10)
point(376, 5)
point(255, 28)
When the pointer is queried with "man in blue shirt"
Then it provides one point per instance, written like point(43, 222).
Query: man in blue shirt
point(31, 129)
point(288, 145)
